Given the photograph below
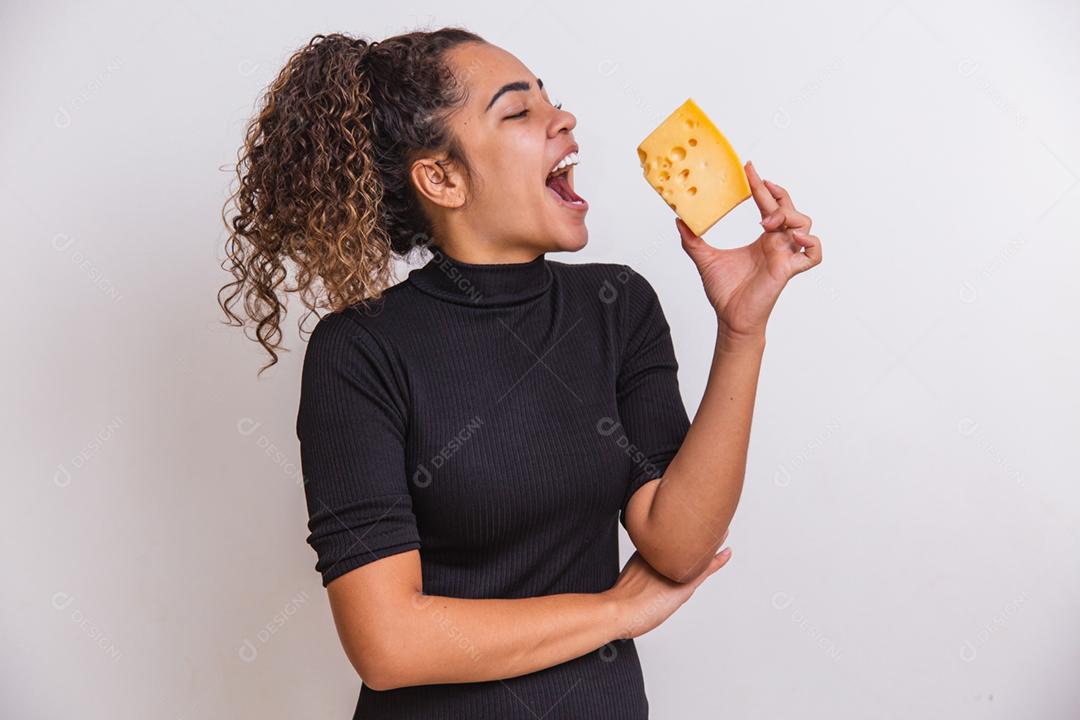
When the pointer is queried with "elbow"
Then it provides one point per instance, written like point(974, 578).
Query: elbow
point(679, 567)
point(369, 667)
point(376, 627)
point(379, 683)
point(379, 669)
point(381, 657)
point(681, 572)
point(378, 641)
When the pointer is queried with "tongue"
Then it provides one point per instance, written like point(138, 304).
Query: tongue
point(561, 186)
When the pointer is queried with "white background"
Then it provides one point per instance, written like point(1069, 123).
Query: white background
point(907, 542)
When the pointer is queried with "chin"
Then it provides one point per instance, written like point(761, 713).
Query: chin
point(568, 232)
point(576, 239)
point(566, 238)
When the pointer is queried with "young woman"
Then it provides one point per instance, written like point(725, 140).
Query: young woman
point(471, 437)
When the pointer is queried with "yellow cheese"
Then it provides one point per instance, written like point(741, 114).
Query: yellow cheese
point(693, 167)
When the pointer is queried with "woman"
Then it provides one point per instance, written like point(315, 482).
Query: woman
point(469, 437)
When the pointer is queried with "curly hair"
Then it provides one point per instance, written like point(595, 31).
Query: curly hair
point(324, 174)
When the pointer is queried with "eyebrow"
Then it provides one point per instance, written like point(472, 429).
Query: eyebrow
point(519, 85)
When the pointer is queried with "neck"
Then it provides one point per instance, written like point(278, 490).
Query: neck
point(484, 283)
point(479, 241)
point(484, 254)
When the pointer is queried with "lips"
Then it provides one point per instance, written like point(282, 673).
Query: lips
point(572, 148)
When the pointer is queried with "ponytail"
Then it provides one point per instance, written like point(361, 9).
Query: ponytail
point(324, 188)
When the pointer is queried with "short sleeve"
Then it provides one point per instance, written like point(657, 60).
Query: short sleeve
point(650, 404)
point(351, 425)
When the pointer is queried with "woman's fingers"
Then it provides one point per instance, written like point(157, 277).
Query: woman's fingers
point(784, 216)
point(765, 201)
point(774, 202)
point(811, 256)
point(780, 193)
point(695, 246)
point(802, 220)
point(716, 562)
point(690, 240)
point(778, 214)
point(719, 560)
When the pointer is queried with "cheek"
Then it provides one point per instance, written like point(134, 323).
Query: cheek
point(518, 169)
point(513, 180)
point(517, 185)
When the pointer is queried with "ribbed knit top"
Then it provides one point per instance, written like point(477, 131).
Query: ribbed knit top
point(497, 418)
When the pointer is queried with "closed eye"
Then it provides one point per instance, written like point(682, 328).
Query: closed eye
point(525, 112)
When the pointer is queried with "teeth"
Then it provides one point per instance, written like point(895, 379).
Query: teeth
point(571, 159)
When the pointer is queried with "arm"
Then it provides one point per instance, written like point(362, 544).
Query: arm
point(678, 521)
point(396, 636)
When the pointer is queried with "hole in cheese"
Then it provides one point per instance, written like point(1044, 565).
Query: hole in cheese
point(664, 177)
point(693, 142)
point(691, 190)
point(677, 154)
point(642, 156)
point(683, 174)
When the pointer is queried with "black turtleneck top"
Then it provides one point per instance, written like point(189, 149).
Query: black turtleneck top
point(497, 418)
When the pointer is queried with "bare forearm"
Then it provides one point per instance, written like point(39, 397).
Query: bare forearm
point(696, 499)
point(438, 639)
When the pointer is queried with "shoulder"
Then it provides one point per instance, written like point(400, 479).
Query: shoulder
point(349, 372)
point(616, 284)
point(367, 323)
point(348, 339)
point(612, 282)
point(630, 302)
point(338, 328)
point(642, 317)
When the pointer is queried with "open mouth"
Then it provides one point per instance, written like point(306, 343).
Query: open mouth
point(560, 182)
point(561, 188)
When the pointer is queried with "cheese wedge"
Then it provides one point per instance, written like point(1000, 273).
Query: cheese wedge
point(693, 167)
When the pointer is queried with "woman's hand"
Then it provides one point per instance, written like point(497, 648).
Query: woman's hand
point(744, 283)
point(646, 598)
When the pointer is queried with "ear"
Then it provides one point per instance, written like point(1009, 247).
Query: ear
point(439, 181)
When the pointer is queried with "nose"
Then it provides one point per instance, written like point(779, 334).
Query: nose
point(562, 120)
